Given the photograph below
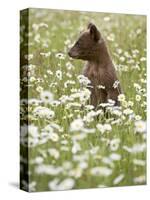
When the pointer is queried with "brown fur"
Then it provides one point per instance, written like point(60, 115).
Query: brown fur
point(99, 67)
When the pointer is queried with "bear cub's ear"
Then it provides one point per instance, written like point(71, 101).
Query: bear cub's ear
point(95, 34)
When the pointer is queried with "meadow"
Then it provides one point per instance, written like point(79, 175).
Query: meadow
point(70, 144)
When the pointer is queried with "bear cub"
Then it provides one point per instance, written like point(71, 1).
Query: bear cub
point(99, 68)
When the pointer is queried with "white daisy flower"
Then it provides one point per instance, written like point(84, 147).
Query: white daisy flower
point(54, 137)
point(59, 74)
point(43, 112)
point(39, 89)
point(140, 126)
point(48, 169)
point(139, 162)
point(61, 56)
point(46, 97)
point(66, 184)
point(54, 153)
point(77, 125)
point(121, 97)
point(101, 87)
point(106, 19)
point(138, 97)
point(128, 111)
point(28, 57)
point(76, 147)
point(101, 171)
point(115, 156)
point(118, 179)
point(114, 144)
point(102, 128)
point(139, 179)
point(32, 186)
point(116, 84)
point(83, 80)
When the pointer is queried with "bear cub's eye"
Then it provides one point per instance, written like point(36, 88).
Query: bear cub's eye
point(77, 43)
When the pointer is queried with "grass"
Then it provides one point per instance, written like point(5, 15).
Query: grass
point(61, 157)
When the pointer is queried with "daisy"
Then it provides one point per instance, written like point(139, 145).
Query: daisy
point(128, 111)
point(140, 126)
point(66, 184)
point(28, 57)
point(138, 97)
point(54, 153)
point(101, 87)
point(139, 162)
point(43, 112)
point(118, 179)
point(106, 19)
point(83, 80)
point(60, 56)
point(114, 144)
point(39, 89)
point(77, 125)
point(101, 171)
point(46, 97)
point(140, 179)
point(48, 169)
point(59, 74)
point(121, 97)
point(54, 137)
point(32, 186)
point(115, 156)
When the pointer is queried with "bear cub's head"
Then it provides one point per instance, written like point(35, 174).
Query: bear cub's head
point(87, 45)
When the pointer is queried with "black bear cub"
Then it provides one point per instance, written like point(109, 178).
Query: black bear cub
point(99, 67)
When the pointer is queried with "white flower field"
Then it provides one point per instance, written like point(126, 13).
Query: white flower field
point(70, 144)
